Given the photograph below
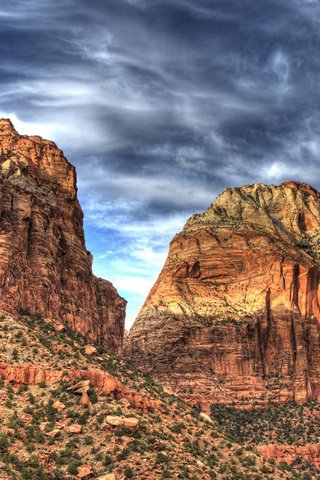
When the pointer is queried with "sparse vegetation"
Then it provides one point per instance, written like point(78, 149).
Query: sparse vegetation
point(171, 441)
point(285, 424)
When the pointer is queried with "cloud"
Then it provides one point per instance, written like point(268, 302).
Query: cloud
point(280, 66)
point(160, 105)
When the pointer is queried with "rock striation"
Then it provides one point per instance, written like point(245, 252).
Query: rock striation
point(94, 377)
point(234, 315)
point(289, 453)
point(44, 264)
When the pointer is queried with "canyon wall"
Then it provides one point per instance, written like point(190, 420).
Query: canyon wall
point(234, 315)
point(44, 264)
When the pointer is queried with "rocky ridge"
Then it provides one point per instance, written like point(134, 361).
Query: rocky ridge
point(234, 315)
point(44, 264)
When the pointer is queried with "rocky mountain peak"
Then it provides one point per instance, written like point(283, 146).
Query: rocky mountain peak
point(44, 265)
point(290, 210)
point(6, 127)
point(235, 312)
point(304, 187)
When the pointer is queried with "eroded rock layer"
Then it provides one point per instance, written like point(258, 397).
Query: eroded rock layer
point(102, 381)
point(290, 453)
point(44, 264)
point(234, 314)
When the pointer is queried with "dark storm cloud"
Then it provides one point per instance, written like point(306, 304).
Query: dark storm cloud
point(161, 104)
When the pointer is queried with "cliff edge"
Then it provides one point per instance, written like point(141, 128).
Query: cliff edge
point(234, 315)
point(44, 264)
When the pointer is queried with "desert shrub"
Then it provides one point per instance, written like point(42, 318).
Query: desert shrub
point(128, 473)
point(4, 443)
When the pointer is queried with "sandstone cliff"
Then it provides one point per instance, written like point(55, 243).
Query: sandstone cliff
point(44, 264)
point(234, 314)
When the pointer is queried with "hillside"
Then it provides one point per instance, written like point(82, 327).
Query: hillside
point(69, 409)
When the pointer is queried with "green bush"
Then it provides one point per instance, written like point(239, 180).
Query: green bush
point(73, 467)
point(4, 443)
point(128, 473)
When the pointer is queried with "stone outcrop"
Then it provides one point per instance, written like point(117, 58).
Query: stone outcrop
point(85, 471)
point(289, 453)
point(234, 315)
point(44, 264)
point(82, 388)
point(102, 381)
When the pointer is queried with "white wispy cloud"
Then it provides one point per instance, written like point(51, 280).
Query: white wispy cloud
point(161, 105)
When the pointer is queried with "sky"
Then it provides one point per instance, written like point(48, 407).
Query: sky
point(160, 105)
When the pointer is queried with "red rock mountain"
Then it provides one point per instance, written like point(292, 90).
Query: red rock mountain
point(44, 264)
point(234, 315)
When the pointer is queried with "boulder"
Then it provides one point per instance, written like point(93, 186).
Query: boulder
point(84, 471)
point(74, 428)
point(206, 417)
point(53, 433)
point(59, 406)
point(90, 350)
point(107, 476)
point(114, 421)
point(130, 422)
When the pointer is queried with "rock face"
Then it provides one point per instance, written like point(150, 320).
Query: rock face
point(44, 264)
point(102, 381)
point(289, 453)
point(234, 314)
